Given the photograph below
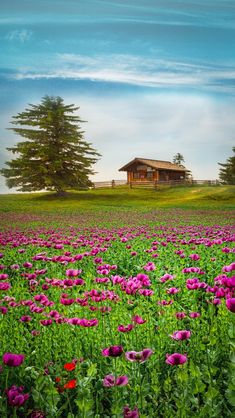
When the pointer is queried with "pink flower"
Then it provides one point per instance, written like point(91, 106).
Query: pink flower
point(194, 315)
point(180, 315)
point(127, 328)
point(16, 397)
point(112, 351)
point(26, 318)
point(140, 356)
point(13, 360)
point(181, 335)
point(73, 272)
point(194, 257)
point(230, 304)
point(138, 319)
point(176, 359)
point(128, 413)
point(5, 286)
point(110, 380)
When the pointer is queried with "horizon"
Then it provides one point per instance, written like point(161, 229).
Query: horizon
point(152, 78)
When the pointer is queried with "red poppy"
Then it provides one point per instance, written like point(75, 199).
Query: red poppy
point(57, 379)
point(69, 366)
point(71, 384)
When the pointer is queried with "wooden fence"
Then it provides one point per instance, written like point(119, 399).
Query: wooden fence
point(110, 183)
point(153, 184)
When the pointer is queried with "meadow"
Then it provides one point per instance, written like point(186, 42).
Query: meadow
point(118, 303)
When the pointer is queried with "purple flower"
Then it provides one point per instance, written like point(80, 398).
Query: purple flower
point(180, 315)
point(16, 397)
point(13, 360)
point(110, 380)
point(3, 276)
point(194, 315)
point(127, 328)
point(181, 335)
point(140, 356)
point(176, 359)
point(26, 318)
point(230, 303)
point(138, 319)
point(5, 286)
point(73, 272)
point(128, 413)
point(112, 351)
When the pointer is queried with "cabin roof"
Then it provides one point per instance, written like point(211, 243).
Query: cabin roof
point(158, 164)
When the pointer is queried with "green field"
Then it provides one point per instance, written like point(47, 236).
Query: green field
point(196, 197)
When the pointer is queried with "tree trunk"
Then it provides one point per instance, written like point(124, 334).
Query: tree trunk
point(61, 193)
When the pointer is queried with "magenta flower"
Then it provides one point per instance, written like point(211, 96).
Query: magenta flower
point(140, 356)
point(194, 315)
point(181, 335)
point(46, 322)
point(128, 413)
point(110, 380)
point(112, 351)
point(16, 397)
point(180, 315)
point(138, 319)
point(230, 304)
point(13, 360)
point(176, 359)
point(73, 272)
point(4, 276)
point(5, 286)
point(127, 328)
point(26, 318)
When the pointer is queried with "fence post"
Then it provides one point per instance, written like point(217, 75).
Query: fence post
point(113, 183)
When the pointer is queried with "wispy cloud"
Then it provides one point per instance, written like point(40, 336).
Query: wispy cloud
point(135, 70)
point(21, 35)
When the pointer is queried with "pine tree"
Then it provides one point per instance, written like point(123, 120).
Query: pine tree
point(54, 155)
point(227, 172)
point(178, 159)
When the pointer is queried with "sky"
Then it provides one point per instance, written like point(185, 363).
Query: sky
point(151, 77)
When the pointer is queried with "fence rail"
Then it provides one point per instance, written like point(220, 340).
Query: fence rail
point(153, 184)
point(109, 183)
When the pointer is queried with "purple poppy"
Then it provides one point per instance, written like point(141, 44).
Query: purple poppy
point(140, 356)
point(181, 335)
point(112, 351)
point(230, 303)
point(13, 360)
point(128, 413)
point(176, 359)
point(110, 380)
point(16, 397)
point(138, 319)
point(127, 328)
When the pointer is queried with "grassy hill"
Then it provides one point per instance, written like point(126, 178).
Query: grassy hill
point(122, 197)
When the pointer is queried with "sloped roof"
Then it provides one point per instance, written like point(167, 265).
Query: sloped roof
point(158, 164)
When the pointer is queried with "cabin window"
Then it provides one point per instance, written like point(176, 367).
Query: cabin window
point(136, 175)
point(149, 174)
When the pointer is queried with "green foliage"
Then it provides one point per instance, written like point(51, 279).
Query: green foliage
point(54, 155)
point(227, 172)
point(178, 159)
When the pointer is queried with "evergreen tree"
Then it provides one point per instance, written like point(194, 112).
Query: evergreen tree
point(178, 159)
point(54, 155)
point(227, 172)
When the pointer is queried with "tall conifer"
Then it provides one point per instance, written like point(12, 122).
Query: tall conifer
point(54, 155)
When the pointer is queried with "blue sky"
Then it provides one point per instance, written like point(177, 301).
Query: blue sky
point(151, 77)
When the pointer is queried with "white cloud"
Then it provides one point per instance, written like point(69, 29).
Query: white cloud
point(136, 70)
point(22, 35)
point(158, 126)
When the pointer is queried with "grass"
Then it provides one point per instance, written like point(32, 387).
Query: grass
point(196, 197)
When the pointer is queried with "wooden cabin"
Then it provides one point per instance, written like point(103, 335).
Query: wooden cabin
point(145, 170)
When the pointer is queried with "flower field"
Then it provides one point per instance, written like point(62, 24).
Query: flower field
point(118, 315)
